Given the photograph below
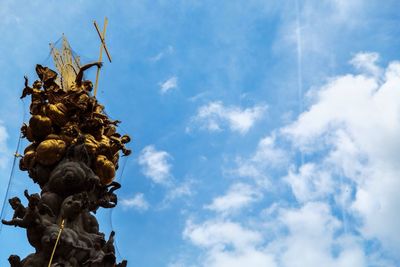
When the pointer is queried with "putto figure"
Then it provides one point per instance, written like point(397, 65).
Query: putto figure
point(73, 156)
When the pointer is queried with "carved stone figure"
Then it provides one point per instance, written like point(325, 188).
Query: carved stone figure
point(16, 205)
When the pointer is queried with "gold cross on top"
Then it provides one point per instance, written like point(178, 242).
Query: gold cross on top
point(102, 45)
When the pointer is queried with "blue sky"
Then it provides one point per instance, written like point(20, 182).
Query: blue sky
point(265, 133)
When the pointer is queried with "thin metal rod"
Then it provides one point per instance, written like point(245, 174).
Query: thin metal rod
point(102, 36)
point(57, 240)
point(101, 52)
point(9, 181)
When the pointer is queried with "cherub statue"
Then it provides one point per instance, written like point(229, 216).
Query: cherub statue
point(32, 216)
point(29, 90)
point(37, 96)
point(118, 143)
point(16, 205)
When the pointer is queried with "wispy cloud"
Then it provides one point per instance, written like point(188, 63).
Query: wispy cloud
point(267, 156)
point(155, 164)
point(200, 95)
point(367, 63)
point(137, 202)
point(181, 190)
point(167, 51)
point(169, 84)
point(239, 196)
point(214, 116)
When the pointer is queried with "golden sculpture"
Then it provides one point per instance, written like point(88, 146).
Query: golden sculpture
point(63, 111)
point(73, 156)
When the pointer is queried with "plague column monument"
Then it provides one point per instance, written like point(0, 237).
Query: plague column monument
point(73, 156)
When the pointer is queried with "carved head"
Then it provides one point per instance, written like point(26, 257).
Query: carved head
point(125, 139)
point(67, 176)
point(14, 202)
point(72, 207)
point(70, 177)
point(37, 84)
point(87, 85)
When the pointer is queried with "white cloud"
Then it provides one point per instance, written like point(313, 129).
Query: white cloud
point(356, 120)
point(179, 191)
point(311, 231)
point(344, 10)
point(268, 151)
point(367, 62)
point(310, 182)
point(312, 234)
point(199, 96)
point(169, 84)
point(266, 157)
point(137, 202)
point(249, 257)
point(185, 189)
point(214, 116)
point(155, 164)
point(217, 233)
point(238, 197)
point(344, 99)
point(349, 139)
point(228, 244)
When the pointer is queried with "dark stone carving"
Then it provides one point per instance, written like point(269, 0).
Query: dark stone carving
point(73, 157)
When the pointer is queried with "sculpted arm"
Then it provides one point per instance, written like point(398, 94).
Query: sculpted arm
point(79, 76)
